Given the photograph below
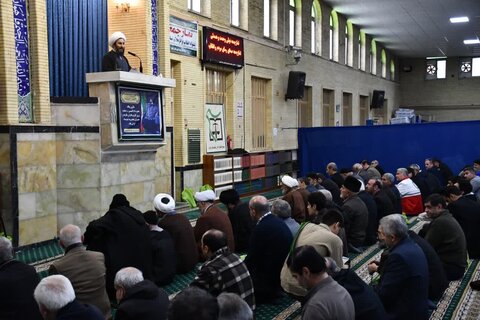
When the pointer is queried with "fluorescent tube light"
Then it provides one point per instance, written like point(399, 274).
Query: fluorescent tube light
point(471, 41)
point(459, 19)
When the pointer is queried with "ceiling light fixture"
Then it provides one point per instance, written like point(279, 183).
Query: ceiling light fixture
point(459, 19)
point(471, 41)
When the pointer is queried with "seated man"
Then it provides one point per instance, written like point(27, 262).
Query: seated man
point(409, 192)
point(282, 209)
point(181, 231)
point(223, 271)
point(17, 282)
point(355, 212)
point(56, 300)
point(446, 236)
point(367, 304)
point(139, 298)
point(211, 217)
point(193, 303)
point(163, 251)
point(85, 269)
point(403, 287)
point(324, 241)
point(239, 215)
point(326, 299)
point(270, 243)
point(118, 235)
point(467, 213)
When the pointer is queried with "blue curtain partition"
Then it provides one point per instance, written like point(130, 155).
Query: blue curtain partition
point(454, 143)
point(77, 41)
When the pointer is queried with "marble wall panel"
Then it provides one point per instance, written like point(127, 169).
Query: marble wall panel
point(37, 178)
point(78, 199)
point(71, 152)
point(78, 176)
point(37, 229)
point(137, 171)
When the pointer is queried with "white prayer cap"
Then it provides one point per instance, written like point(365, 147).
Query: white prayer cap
point(115, 36)
point(289, 181)
point(207, 195)
point(164, 202)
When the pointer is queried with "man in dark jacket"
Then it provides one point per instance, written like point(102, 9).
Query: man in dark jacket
point(17, 282)
point(467, 212)
point(56, 300)
point(163, 251)
point(124, 239)
point(139, 298)
point(355, 212)
point(270, 244)
point(239, 214)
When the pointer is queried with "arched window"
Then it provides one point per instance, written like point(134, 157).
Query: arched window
point(373, 57)
point(333, 52)
point(361, 51)
point(316, 28)
point(291, 22)
point(349, 43)
point(384, 63)
point(270, 18)
point(392, 69)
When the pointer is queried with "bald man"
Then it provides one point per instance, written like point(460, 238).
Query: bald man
point(85, 269)
point(270, 243)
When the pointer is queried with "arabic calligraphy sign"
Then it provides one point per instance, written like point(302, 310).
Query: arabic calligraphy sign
point(215, 128)
point(183, 37)
point(223, 48)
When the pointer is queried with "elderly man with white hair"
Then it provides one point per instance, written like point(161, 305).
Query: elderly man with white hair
point(138, 298)
point(56, 300)
point(115, 59)
point(17, 282)
point(85, 269)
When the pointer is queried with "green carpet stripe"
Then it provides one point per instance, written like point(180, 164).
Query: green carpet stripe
point(459, 293)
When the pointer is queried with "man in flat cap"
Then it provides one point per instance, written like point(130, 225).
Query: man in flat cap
point(355, 212)
point(115, 59)
point(181, 231)
point(211, 217)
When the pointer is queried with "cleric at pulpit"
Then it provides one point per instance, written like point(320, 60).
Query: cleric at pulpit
point(115, 59)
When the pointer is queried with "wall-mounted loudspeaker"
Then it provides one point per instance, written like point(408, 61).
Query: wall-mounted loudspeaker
point(377, 99)
point(296, 85)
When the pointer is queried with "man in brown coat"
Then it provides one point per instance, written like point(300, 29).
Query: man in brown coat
point(181, 231)
point(211, 217)
point(294, 198)
point(85, 269)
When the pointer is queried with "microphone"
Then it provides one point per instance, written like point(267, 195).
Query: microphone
point(136, 56)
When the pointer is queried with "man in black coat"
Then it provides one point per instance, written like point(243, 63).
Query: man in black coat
point(383, 201)
point(139, 298)
point(331, 186)
point(371, 231)
point(239, 215)
point(467, 213)
point(388, 181)
point(17, 282)
point(123, 237)
point(163, 251)
point(270, 244)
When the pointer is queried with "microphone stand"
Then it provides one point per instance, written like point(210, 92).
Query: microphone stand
point(136, 56)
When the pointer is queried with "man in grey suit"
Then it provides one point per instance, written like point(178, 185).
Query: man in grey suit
point(85, 269)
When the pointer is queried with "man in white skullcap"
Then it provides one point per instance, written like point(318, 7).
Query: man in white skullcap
point(294, 198)
point(178, 226)
point(211, 217)
point(115, 59)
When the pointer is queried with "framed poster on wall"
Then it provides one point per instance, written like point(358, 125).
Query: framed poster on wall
point(216, 140)
point(140, 114)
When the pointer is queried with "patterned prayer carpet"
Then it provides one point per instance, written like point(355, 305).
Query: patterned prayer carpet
point(458, 302)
